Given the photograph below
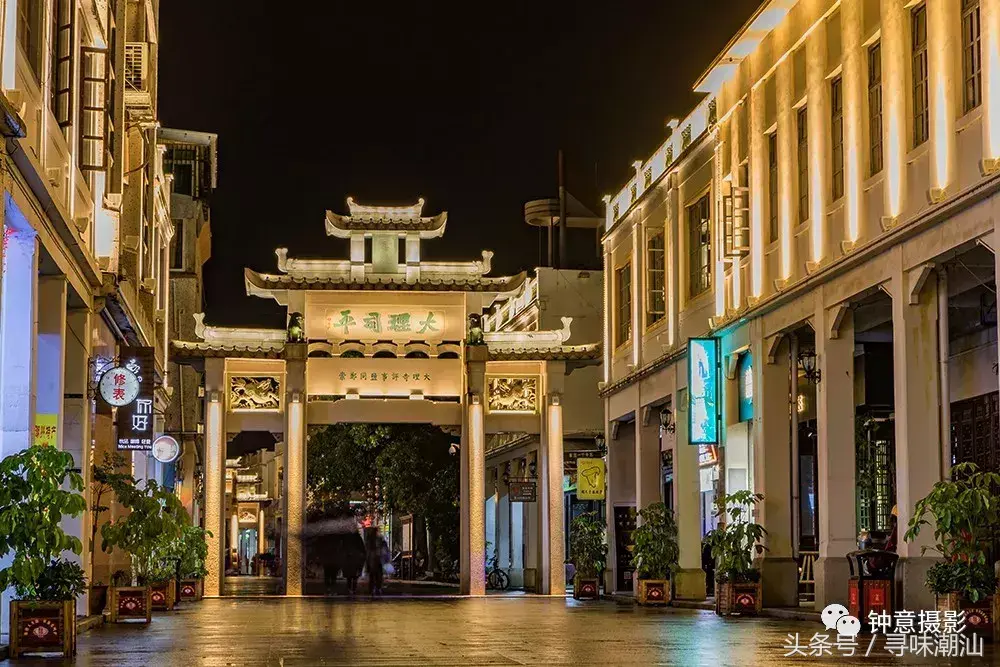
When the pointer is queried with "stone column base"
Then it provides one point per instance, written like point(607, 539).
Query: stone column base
point(689, 584)
point(912, 572)
point(530, 579)
point(831, 575)
point(779, 582)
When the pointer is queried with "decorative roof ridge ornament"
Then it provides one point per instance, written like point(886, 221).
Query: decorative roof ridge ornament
point(236, 336)
point(410, 212)
point(530, 340)
point(305, 268)
point(364, 218)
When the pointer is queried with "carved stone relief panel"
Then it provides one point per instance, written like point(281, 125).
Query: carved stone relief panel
point(254, 393)
point(518, 394)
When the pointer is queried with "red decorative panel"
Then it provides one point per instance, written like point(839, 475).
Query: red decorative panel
point(132, 604)
point(852, 598)
point(42, 628)
point(187, 591)
point(877, 596)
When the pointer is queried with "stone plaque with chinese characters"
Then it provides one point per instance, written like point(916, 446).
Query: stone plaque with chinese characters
point(390, 378)
point(135, 420)
point(518, 394)
point(404, 321)
point(254, 393)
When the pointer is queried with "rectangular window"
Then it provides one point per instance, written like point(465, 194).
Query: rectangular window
point(921, 113)
point(177, 247)
point(772, 185)
point(837, 135)
point(875, 108)
point(699, 246)
point(29, 32)
point(656, 302)
point(623, 291)
point(972, 54)
point(803, 158)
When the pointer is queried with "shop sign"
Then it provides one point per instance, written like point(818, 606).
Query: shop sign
point(119, 385)
point(166, 449)
point(745, 386)
point(135, 418)
point(707, 455)
point(523, 490)
point(46, 430)
point(590, 479)
point(703, 391)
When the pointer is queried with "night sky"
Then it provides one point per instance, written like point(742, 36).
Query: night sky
point(386, 102)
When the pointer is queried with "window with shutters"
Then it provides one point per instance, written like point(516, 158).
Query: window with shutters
point(802, 128)
point(921, 111)
point(875, 108)
point(656, 302)
point(623, 301)
point(972, 54)
point(837, 136)
point(30, 32)
point(61, 62)
point(699, 246)
point(772, 186)
point(94, 114)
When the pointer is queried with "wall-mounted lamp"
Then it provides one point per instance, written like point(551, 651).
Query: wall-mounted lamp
point(555, 399)
point(296, 397)
point(667, 420)
point(474, 398)
point(214, 397)
point(807, 364)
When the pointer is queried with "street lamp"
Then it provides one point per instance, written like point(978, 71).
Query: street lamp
point(807, 363)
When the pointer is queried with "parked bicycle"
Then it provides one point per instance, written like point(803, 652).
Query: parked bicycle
point(496, 578)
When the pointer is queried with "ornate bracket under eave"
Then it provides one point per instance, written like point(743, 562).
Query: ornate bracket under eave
point(236, 336)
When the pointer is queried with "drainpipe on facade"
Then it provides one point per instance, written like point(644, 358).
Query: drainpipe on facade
point(793, 409)
point(943, 354)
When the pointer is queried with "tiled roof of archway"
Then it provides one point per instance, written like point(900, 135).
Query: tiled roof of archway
point(183, 349)
point(562, 353)
point(256, 281)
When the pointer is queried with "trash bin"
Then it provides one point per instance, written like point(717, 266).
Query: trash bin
point(872, 586)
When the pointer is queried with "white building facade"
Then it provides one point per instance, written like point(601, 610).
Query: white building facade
point(827, 214)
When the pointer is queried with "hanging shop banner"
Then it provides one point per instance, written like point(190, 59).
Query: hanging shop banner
point(523, 490)
point(744, 380)
point(135, 418)
point(703, 391)
point(46, 430)
point(590, 479)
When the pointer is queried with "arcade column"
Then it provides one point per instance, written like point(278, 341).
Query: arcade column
point(295, 465)
point(553, 581)
point(689, 580)
point(215, 469)
point(473, 473)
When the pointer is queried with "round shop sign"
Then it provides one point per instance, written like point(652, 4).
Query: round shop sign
point(166, 449)
point(119, 386)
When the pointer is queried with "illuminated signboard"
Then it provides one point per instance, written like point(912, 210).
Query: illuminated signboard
point(703, 391)
point(388, 378)
point(744, 378)
point(367, 317)
point(135, 419)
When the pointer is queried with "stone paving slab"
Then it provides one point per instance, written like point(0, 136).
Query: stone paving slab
point(295, 632)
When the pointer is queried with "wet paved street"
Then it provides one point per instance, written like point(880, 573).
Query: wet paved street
point(494, 631)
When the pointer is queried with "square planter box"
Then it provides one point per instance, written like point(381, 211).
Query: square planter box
point(162, 594)
point(130, 603)
point(98, 599)
point(742, 599)
point(192, 590)
point(653, 591)
point(981, 618)
point(42, 627)
point(586, 588)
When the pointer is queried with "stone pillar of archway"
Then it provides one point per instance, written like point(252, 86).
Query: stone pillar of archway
point(550, 478)
point(295, 465)
point(215, 468)
point(473, 473)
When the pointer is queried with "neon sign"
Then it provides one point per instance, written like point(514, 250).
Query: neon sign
point(703, 391)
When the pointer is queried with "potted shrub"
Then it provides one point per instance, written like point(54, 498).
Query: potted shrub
point(145, 533)
point(965, 510)
point(193, 556)
point(105, 477)
point(587, 552)
point(735, 544)
point(37, 488)
point(655, 554)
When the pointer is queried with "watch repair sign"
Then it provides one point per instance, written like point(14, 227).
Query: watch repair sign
point(135, 418)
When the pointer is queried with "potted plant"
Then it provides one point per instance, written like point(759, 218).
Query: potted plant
point(655, 554)
point(965, 510)
point(145, 533)
point(735, 544)
point(37, 488)
point(193, 556)
point(588, 552)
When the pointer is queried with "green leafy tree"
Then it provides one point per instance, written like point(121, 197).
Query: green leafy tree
point(965, 511)
point(656, 552)
point(736, 542)
point(107, 476)
point(587, 548)
point(38, 487)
